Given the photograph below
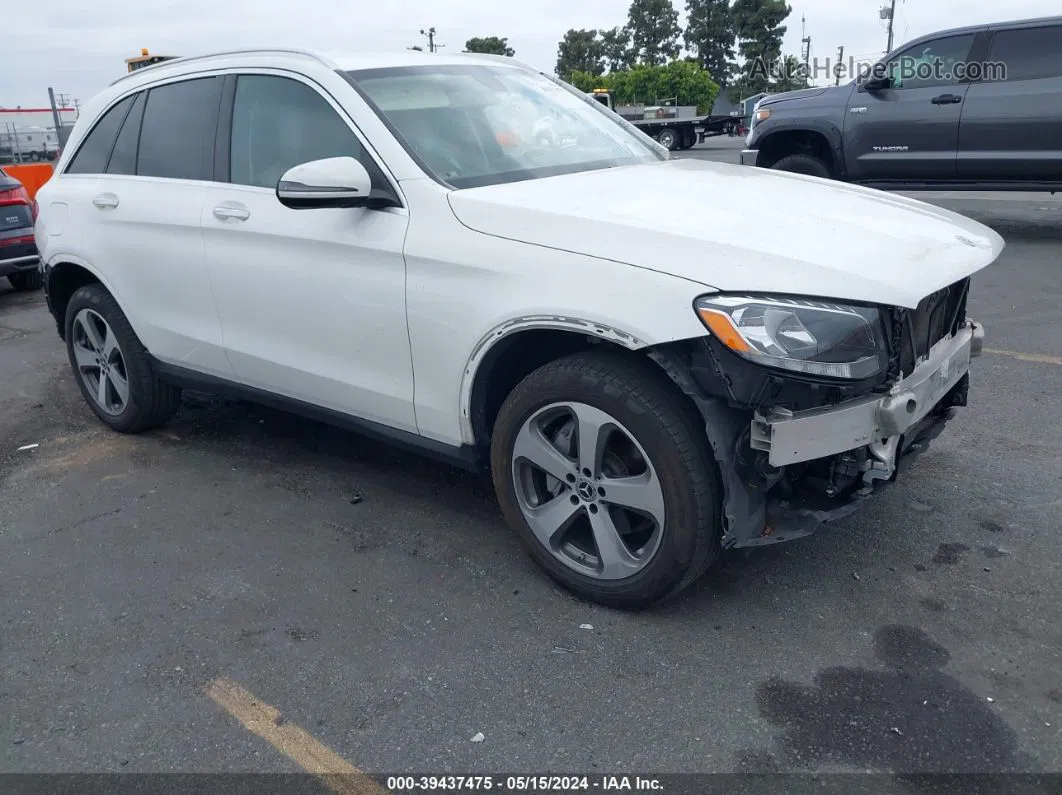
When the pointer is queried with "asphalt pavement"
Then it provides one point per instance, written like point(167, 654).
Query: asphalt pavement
point(377, 601)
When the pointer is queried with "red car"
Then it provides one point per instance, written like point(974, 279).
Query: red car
point(19, 260)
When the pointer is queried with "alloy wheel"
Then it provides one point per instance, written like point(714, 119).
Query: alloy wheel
point(100, 362)
point(588, 490)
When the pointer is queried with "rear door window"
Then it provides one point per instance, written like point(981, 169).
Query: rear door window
point(1027, 54)
point(91, 157)
point(178, 130)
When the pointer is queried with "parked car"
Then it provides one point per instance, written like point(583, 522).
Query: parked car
point(976, 108)
point(648, 377)
point(19, 261)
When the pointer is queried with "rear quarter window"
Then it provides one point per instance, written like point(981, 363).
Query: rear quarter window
point(95, 150)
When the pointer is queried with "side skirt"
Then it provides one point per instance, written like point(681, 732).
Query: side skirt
point(464, 457)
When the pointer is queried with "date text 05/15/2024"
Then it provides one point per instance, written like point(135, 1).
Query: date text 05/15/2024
point(523, 783)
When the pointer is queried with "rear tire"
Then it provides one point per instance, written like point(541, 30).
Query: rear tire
point(803, 164)
point(27, 280)
point(645, 421)
point(134, 399)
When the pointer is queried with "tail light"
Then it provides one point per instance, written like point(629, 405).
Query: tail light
point(35, 209)
point(17, 195)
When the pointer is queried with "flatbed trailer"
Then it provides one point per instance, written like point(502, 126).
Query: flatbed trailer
point(676, 133)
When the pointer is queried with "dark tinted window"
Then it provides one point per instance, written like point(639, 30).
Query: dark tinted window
point(177, 134)
point(934, 63)
point(1027, 54)
point(123, 158)
point(278, 123)
point(91, 156)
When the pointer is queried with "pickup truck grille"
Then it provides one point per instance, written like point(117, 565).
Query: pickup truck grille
point(937, 316)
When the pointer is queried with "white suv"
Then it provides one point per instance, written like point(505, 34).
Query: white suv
point(656, 359)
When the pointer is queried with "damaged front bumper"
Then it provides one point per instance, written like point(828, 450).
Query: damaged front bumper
point(786, 473)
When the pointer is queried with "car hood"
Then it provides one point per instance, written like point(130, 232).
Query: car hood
point(785, 96)
point(737, 228)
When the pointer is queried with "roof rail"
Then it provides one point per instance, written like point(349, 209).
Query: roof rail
point(506, 59)
point(246, 51)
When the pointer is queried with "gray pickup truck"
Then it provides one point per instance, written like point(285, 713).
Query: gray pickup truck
point(975, 108)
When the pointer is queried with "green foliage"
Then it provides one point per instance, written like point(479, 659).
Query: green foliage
point(683, 80)
point(710, 36)
point(654, 31)
point(579, 51)
point(490, 45)
point(616, 49)
point(759, 29)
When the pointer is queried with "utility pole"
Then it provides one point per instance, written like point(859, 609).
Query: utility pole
point(805, 42)
point(430, 33)
point(889, 12)
point(838, 67)
point(60, 131)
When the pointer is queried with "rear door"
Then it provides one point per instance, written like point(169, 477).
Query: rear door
point(1011, 125)
point(910, 131)
point(144, 229)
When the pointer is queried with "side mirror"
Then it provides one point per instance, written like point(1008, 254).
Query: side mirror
point(332, 182)
point(873, 84)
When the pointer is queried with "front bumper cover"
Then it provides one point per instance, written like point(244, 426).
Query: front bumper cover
point(863, 438)
point(793, 437)
point(749, 157)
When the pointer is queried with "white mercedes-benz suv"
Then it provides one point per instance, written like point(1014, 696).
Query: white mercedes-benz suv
point(655, 359)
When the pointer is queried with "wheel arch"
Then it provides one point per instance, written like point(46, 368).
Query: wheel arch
point(822, 140)
point(514, 349)
point(63, 275)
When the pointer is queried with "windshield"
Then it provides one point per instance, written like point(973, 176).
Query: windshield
point(477, 125)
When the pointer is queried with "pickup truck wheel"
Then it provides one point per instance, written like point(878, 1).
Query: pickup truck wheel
point(607, 480)
point(803, 164)
point(111, 365)
point(668, 138)
point(27, 280)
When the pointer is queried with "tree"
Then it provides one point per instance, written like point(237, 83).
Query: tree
point(491, 45)
point(710, 36)
point(655, 31)
point(683, 80)
point(616, 49)
point(579, 51)
point(759, 28)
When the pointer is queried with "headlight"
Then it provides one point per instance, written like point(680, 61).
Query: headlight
point(763, 115)
point(812, 337)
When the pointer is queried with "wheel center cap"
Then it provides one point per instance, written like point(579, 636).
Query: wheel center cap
point(585, 490)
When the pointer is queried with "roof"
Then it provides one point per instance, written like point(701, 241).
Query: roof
point(37, 110)
point(340, 61)
point(1013, 23)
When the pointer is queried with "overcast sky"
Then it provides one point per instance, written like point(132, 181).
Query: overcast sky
point(78, 47)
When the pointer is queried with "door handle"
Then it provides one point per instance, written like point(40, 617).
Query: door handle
point(947, 99)
point(227, 212)
point(105, 200)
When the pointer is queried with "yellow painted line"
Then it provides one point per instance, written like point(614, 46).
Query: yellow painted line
point(1027, 357)
point(312, 756)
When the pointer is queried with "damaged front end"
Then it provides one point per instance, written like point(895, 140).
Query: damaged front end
point(796, 450)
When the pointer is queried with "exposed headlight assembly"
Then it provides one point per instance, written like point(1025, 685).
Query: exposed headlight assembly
point(811, 337)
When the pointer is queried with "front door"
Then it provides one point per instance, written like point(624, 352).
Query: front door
point(910, 130)
point(312, 302)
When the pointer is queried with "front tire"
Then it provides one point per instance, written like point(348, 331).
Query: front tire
point(803, 164)
point(632, 517)
point(111, 366)
point(27, 280)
